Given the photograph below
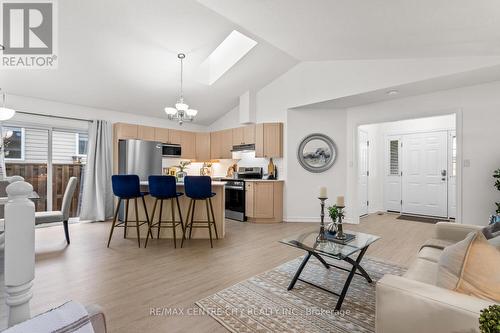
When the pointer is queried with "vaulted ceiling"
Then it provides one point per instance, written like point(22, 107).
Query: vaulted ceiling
point(122, 55)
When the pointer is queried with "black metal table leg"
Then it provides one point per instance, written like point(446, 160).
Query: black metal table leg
point(355, 265)
point(360, 269)
point(297, 274)
point(317, 256)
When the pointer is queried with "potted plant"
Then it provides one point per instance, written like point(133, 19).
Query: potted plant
point(182, 173)
point(489, 320)
point(334, 212)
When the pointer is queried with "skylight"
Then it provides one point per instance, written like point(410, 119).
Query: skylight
point(234, 47)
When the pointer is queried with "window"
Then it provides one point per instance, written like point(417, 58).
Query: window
point(82, 141)
point(13, 138)
point(394, 158)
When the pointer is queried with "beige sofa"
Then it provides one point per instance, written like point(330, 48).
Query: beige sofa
point(413, 302)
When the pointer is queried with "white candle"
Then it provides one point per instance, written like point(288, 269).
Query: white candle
point(340, 201)
point(322, 192)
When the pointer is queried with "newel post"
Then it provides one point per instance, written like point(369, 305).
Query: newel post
point(19, 251)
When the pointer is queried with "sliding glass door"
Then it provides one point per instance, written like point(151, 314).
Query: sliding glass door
point(47, 158)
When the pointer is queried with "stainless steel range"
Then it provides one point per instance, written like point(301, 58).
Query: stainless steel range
point(235, 192)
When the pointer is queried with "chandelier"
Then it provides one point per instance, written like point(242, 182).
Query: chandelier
point(181, 112)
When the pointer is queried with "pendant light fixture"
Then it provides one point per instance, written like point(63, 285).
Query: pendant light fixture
point(181, 111)
point(5, 113)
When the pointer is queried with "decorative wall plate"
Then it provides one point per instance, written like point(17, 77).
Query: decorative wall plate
point(317, 152)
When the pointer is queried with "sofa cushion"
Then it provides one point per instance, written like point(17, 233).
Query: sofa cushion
point(422, 270)
point(495, 242)
point(471, 267)
point(430, 253)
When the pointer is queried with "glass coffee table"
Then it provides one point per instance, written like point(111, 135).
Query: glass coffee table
point(332, 249)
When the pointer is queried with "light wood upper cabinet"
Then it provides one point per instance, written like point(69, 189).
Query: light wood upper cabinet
point(244, 135)
point(175, 136)
point(216, 145)
point(226, 144)
point(269, 140)
point(146, 133)
point(249, 134)
point(238, 136)
point(188, 144)
point(202, 140)
point(126, 131)
point(161, 134)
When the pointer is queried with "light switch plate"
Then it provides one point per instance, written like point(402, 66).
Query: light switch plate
point(466, 163)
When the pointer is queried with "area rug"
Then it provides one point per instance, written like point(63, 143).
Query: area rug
point(263, 304)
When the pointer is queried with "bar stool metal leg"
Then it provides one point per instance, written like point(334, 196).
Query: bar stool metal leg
point(151, 224)
point(159, 219)
point(187, 223)
point(173, 221)
point(147, 216)
point(209, 226)
point(114, 220)
point(126, 219)
point(192, 218)
point(137, 223)
point(180, 214)
point(213, 217)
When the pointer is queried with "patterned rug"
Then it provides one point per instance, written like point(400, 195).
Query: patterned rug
point(263, 304)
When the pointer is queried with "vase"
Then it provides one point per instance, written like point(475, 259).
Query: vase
point(180, 176)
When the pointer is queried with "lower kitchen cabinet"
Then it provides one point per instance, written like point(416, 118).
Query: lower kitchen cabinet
point(264, 201)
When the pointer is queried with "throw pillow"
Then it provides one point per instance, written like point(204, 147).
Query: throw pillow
point(471, 267)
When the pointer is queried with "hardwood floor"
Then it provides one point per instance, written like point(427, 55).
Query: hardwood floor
point(128, 282)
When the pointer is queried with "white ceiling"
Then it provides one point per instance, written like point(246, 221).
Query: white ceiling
point(361, 29)
point(122, 55)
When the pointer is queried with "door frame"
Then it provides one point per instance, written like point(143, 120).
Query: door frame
point(367, 172)
point(354, 120)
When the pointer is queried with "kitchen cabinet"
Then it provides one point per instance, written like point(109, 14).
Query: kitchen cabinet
point(269, 140)
point(146, 133)
point(215, 145)
point(202, 143)
point(221, 144)
point(226, 144)
point(161, 134)
point(126, 131)
point(174, 136)
point(264, 201)
point(244, 135)
point(188, 144)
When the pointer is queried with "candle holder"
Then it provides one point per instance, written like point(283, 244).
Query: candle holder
point(340, 231)
point(322, 237)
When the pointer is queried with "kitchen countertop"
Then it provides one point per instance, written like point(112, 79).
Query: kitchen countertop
point(263, 180)
point(214, 183)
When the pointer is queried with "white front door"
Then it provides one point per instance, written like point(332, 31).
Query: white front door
point(424, 178)
point(363, 172)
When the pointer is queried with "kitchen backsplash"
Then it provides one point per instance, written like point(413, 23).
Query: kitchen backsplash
point(243, 159)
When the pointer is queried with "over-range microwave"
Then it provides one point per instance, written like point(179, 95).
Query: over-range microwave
point(171, 150)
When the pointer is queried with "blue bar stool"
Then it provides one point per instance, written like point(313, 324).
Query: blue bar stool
point(127, 187)
point(164, 188)
point(199, 188)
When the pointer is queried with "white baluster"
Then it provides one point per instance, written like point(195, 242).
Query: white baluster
point(19, 251)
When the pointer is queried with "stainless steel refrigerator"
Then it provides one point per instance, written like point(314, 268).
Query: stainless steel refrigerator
point(137, 157)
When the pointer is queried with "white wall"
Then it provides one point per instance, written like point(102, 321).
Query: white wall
point(302, 187)
point(478, 116)
point(313, 82)
point(377, 154)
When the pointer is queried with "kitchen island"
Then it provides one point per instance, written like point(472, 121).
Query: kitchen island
point(218, 202)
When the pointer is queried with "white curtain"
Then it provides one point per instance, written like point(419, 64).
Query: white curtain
point(97, 195)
